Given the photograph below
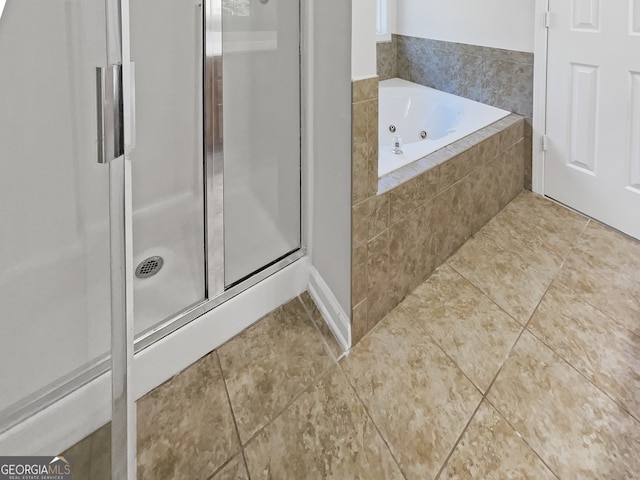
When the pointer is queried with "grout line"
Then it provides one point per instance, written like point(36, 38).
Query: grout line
point(246, 465)
point(488, 297)
point(484, 397)
point(528, 328)
point(375, 425)
point(374, 328)
point(612, 229)
point(387, 279)
point(523, 328)
point(599, 309)
point(486, 394)
point(482, 394)
point(549, 281)
point(325, 341)
point(587, 300)
point(221, 467)
point(437, 344)
point(228, 461)
point(455, 445)
point(277, 414)
point(233, 414)
point(609, 316)
point(521, 437)
point(585, 376)
point(561, 357)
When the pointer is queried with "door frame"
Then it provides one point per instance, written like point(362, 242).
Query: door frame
point(540, 52)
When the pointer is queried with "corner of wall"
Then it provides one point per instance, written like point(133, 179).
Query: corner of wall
point(332, 313)
point(367, 304)
point(363, 39)
point(331, 175)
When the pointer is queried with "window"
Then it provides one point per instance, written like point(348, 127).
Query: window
point(381, 17)
point(236, 8)
point(385, 19)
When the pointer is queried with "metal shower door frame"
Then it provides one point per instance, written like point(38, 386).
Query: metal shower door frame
point(216, 290)
point(123, 407)
point(214, 153)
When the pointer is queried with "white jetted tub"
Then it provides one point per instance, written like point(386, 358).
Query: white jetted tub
point(423, 120)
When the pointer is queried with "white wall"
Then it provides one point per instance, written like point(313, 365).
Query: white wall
point(392, 21)
point(363, 39)
point(331, 130)
point(507, 24)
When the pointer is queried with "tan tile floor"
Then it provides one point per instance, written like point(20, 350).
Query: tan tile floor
point(518, 358)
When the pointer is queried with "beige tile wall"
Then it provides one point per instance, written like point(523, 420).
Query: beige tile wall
point(364, 175)
point(402, 232)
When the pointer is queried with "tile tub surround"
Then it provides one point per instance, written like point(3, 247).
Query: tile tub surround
point(386, 55)
point(407, 226)
point(497, 77)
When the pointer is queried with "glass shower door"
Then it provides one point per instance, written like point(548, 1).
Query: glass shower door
point(168, 166)
point(62, 213)
point(260, 110)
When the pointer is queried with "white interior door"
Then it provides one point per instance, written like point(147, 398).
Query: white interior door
point(592, 162)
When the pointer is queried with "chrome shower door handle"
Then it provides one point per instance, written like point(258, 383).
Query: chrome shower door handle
point(110, 113)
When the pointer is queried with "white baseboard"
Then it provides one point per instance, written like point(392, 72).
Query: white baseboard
point(333, 314)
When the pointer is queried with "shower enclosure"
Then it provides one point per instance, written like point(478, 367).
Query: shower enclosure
point(197, 198)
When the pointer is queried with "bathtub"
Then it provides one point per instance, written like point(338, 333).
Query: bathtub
point(425, 120)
